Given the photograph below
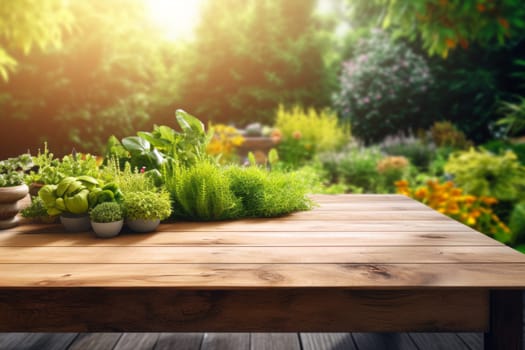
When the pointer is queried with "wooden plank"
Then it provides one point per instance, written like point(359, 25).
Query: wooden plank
point(506, 320)
point(264, 276)
point(474, 341)
point(226, 341)
point(259, 255)
point(433, 341)
point(274, 341)
point(406, 215)
point(283, 224)
point(386, 341)
point(285, 310)
point(99, 341)
point(137, 341)
point(278, 238)
point(179, 341)
point(368, 197)
point(327, 341)
point(35, 341)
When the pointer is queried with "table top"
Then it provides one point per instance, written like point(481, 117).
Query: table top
point(346, 242)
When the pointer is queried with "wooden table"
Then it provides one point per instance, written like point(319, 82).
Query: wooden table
point(370, 263)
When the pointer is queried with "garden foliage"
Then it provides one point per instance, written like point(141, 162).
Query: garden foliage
point(483, 173)
point(474, 211)
point(304, 133)
point(383, 88)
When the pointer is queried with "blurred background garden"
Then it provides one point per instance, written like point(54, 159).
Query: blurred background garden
point(420, 97)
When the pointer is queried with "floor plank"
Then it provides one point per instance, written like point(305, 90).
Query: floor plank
point(179, 341)
point(137, 341)
point(386, 341)
point(36, 341)
point(327, 341)
point(275, 341)
point(99, 341)
point(438, 341)
point(226, 341)
point(473, 340)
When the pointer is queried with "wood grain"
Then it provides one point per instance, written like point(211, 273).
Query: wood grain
point(266, 276)
point(286, 310)
point(260, 255)
point(278, 238)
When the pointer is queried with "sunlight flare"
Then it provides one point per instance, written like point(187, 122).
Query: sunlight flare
point(176, 18)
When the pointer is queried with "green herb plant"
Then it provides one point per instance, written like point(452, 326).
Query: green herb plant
point(106, 212)
point(12, 170)
point(147, 205)
point(201, 192)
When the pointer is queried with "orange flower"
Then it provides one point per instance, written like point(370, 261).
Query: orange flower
point(297, 135)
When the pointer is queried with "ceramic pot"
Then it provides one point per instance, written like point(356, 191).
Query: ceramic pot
point(75, 223)
point(139, 225)
point(107, 229)
point(9, 204)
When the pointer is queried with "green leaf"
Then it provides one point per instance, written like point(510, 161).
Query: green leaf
point(136, 145)
point(188, 123)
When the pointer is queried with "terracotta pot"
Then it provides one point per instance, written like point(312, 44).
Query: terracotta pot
point(9, 204)
point(34, 188)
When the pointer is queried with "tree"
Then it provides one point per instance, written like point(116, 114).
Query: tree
point(251, 55)
point(107, 78)
point(28, 23)
point(443, 25)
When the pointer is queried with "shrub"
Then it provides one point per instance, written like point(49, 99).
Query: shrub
point(473, 211)
point(383, 88)
point(445, 134)
point(356, 167)
point(392, 169)
point(224, 142)
point(514, 119)
point(304, 133)
point(418, 152)
point(106, 212)
point(517, 223)
point(499, 146)
point(483, 173)
point(147, 205)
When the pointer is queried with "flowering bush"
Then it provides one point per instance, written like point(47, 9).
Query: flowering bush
point(383, 88)
point(304, 133)
point(392, 169)
point(224, 142)
point(473, 211)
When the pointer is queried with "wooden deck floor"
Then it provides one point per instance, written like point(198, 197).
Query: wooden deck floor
point(242, 341)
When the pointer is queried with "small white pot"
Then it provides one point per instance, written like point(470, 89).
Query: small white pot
point(139, 225)
point(107, 229)
point(75, 223)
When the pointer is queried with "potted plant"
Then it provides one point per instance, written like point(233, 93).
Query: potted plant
point(144, 210)
point(107, 219)
point(12, 188)
point(74, 196)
